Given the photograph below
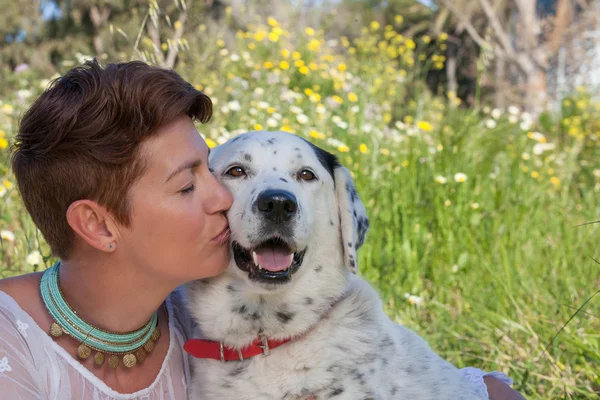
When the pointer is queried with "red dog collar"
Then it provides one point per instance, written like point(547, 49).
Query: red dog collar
point(217, 351)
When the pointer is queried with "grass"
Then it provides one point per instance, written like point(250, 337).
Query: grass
point(476, 213)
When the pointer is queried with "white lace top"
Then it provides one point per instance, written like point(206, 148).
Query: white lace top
point(33, 366)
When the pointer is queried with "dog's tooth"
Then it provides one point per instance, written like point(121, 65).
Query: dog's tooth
point(255, 258)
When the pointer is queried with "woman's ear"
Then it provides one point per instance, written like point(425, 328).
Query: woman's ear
point(93, 224)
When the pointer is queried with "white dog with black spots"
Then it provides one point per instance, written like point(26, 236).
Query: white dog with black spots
point(296, 223)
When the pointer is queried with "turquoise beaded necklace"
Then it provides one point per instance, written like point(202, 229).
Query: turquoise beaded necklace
point(133, 346)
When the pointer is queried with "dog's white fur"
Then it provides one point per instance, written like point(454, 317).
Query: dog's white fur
point(344, 346)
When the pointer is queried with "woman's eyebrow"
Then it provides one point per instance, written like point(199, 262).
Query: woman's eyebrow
point(187, 165)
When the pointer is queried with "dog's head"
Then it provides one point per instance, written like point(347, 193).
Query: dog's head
point(293, 204)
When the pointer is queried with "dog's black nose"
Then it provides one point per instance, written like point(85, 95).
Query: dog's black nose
point(277, 205)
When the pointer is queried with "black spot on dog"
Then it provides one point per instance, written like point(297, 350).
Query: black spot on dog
point(255, 316)
point(230, 288)
point(284, 317)
point(238, 371)
point(299, 156)
point(336, 392)
point(308, 301)
point(297, 148)
point(274, 152)
point(394, 390)
point(283, 180)
point(253, 191)
point(240, 310)
point(271, 141)
point(275, 169)
point(318, 268)
point(247, 157)
point(331, 222)
point(350, 244)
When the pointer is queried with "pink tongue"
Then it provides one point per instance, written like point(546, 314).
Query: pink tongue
point(274, 259)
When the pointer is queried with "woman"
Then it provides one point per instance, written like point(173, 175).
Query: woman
point(114, 174)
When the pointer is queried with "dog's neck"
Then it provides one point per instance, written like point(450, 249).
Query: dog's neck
point(229, 310)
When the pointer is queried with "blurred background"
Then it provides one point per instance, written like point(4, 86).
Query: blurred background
point(471, 127)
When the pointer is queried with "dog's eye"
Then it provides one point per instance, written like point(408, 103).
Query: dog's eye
point(236, 172)
point(306, 175)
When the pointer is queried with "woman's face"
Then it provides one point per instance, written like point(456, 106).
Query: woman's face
point(178, 228)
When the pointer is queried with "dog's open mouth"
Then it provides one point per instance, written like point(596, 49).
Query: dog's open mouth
point(273, 261)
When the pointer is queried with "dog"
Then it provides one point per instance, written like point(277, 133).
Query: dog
point(290, 318)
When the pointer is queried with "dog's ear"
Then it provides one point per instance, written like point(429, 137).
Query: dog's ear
point(353, 216)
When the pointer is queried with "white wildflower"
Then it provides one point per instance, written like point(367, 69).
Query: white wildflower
point(440, 179)
point(490, 123)
point(303, 119)
point(460, 177)
point(7, 235)
point(34, 258)
point(496, 113)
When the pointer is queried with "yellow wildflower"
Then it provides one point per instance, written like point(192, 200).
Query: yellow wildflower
point(251, 46)
point(405, 163)
point(260, 35)
point(337, 99)
point(273, 37)
point(299, 63)
point(296, 55)
point(268, 65)
point(343, 148)
point(410, 44)
point(3, 143)
point(316, 135)
point(258, 127)
point(352, 97)
point(304, 70)
point(287, 128)
point(314, 45)
point(426, 39)
point(341, 67)
point(535, 174)
point(285, 53)
point(443, 36)
point(272, 22)
point(308, 91)
point(363, 148)
point(8, 184)
point(164, 47)
point(284, 65)
point(211, 143)
point(7, 109)
point(271, 110)
point(375, 25)
point(385, 152)
point(398, 19)
point(555, 181)
point(309, 31)
point(424, 126)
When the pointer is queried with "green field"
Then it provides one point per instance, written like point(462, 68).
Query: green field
point(477, 238)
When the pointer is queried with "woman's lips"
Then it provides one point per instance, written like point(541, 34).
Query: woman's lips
point(223, 236)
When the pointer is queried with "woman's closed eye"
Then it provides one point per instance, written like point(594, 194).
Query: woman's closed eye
point(188, 189)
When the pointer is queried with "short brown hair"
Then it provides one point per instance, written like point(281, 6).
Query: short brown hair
point(80, 139)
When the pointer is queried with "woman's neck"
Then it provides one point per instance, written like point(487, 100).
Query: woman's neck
point(109, 294)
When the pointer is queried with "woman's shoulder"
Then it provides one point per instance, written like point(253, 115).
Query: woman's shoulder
point(22, 294)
